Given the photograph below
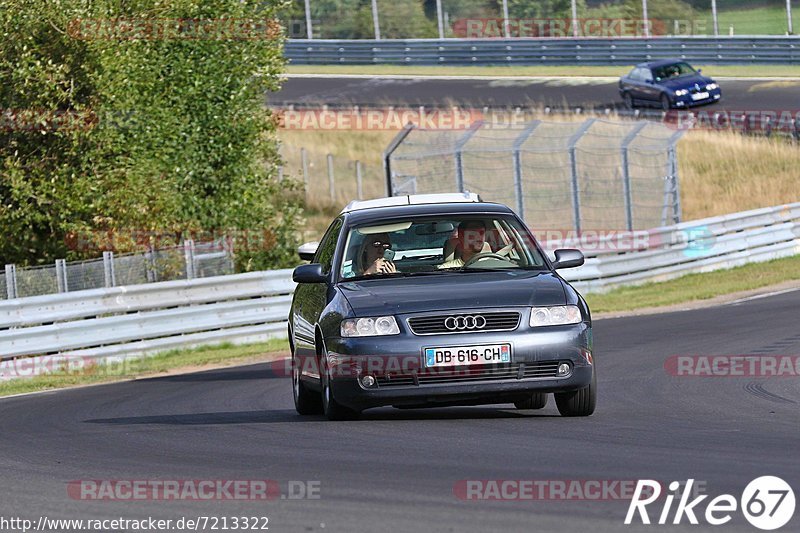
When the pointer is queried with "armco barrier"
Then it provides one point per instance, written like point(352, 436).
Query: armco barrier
point(129, 321)
point(587, 51)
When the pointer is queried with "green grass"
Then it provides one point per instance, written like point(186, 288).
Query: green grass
point(719, 71)
point(695, 287)
point(761, 20)
point(144, 367)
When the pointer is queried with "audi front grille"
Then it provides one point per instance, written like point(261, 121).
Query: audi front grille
point(446, 376)
point(464, 323)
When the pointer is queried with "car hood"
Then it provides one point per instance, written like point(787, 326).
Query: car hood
point(686, 82)
point(459, 290)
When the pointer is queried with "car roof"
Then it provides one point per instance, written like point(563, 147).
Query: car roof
point(661, 62)
point(400, 211)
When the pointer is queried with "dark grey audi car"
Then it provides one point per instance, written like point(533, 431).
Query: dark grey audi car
point(436, 300)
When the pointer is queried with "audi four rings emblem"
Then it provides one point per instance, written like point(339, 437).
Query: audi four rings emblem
point(459, 323)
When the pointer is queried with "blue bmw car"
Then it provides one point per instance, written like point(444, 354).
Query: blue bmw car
point(668, 84)
point(436, 300)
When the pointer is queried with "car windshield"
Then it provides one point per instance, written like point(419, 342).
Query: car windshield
point(438, 245)
point(673, 70)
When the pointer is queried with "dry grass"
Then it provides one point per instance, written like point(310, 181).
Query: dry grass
point(720, 172)
point(726, 172)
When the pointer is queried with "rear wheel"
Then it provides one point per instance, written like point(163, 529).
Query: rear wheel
point(628, 99)
point(332, 409)
point(537, 400)
point(580, 402)
point(665, 103)
point(306, 402)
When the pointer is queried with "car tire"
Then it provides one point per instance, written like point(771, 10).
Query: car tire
point(580, 402)
point(536, 400)
point(330, 407)
point(628, 99)
point(306, 402)
point(666, 104)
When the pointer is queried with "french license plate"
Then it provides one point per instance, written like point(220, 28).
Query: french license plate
point(699, 96)
point(482, 354)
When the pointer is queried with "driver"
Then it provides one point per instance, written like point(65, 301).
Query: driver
point(471, 238)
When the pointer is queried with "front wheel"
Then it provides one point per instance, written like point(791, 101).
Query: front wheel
point(665, 103)
point(580, 402)
point(536, 400)
point(332, 409)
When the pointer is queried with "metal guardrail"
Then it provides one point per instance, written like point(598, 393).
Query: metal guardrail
point(130, 321)
point(689, 247)
point(523, 51)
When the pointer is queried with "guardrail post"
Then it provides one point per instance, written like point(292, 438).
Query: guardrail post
point(457, 153)
point(573, 164)
point(61, 275)
point(518, 142)
point(188, 254)
point(11, 281)
point(626, 173)
point(359, 182)
point(331, 182)
point(108, 270)
point(387, 156)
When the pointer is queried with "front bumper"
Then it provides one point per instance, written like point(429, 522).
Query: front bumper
point(687, 100)
point(394, 360)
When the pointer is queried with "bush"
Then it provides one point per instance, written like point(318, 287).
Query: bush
point(172, 135)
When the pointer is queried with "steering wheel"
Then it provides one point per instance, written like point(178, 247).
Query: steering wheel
point(483, 255)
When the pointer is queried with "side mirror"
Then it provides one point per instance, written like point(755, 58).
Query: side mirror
point(307, 251)
point(699, 70)
point(650, 81)
point(309, 274)
point(568, 258)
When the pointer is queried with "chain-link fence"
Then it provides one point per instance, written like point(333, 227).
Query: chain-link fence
point(591, 175)
point(189, 261)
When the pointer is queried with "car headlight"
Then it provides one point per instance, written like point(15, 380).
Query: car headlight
point(711, 86)
point(681, 92)
point(369, 326)
point(555, 316)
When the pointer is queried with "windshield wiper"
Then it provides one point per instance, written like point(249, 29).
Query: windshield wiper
point(391, 275)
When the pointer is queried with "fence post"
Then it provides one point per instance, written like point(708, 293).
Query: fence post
point(458, 148)
point(573, 164)
point(61, 275)
point(11, 281)
point(359, 182)
point(331, 182)
point(280, 173)
point(304, 164)
point(151, 269)
point(626, 173)
point(518, 142)
point(387, 155)
point(672, 190)
point(188, 254)
point(108, 270)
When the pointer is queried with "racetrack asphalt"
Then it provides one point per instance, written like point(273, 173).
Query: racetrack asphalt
point(396, 470)
point(738, 94)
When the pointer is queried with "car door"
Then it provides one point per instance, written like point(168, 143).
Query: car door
point(311, 298)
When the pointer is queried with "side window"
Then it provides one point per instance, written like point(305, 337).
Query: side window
point(635, 75)
point(327, 248)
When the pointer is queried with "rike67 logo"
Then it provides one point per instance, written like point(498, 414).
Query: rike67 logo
point(767, 503)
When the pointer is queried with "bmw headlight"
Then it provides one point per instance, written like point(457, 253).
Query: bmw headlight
point(681, 92)
point(711, 86)
point(369, 326)
point(555, 316)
